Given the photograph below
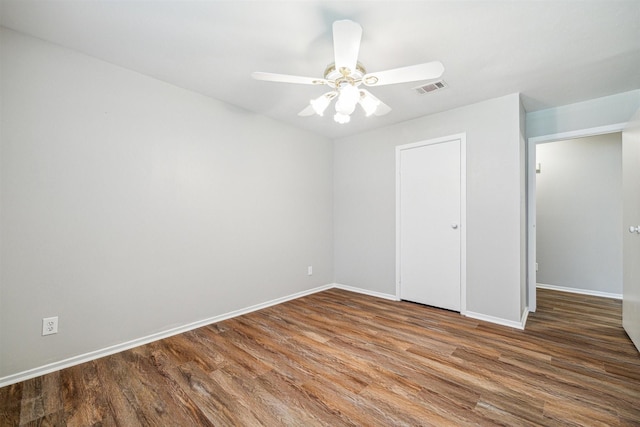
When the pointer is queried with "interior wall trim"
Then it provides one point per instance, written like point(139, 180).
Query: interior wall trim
point(366, 292)
point(499, 321)
point(531, 194)
point(93, 355)
point(462, 137)
point(579, 291)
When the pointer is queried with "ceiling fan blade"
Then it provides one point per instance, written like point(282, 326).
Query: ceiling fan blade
point(412, 73)
point(346, 43)
point(382, 109)
point(308, 111)
point(372, 105)
point(286, 78)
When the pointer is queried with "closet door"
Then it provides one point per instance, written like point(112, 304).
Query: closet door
point(430, 224)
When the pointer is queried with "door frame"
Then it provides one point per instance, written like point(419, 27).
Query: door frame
point(462, 137)
point(531, 195)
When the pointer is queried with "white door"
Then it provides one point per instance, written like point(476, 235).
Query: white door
point(430, 223)
point(631, 222)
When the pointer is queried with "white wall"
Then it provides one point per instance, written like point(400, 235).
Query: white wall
point(364, 203)
point(593, 113)
point(589, 117)
point(130, 206)
point(579, 213)
point(524, 295)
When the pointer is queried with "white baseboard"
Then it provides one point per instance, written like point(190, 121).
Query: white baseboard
point(366, 292)
point(525, 316)
point(579, 291)
point(478, 316)
point(500, 321)
point(93, 355)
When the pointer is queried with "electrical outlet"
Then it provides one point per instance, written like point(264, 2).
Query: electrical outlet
point(50, 325)
point(310, 270)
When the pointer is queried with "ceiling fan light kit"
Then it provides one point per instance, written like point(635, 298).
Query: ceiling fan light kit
point(345, 75)
point(369, 103)
point(342, 118)
point(321, 103)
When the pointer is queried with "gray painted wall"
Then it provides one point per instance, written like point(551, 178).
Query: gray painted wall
point(579, 213)
point(130, 206)
point(155, 207)
point(364, 203)
point(608, 110)
point(524, 300)
point(585, 118)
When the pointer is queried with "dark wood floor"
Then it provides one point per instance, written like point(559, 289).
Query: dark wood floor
point(338, 358)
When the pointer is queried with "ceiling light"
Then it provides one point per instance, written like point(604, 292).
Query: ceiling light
point(345, 74)
point(347, 100)
point(368, 103)
point(342, 118)
point(321, 103)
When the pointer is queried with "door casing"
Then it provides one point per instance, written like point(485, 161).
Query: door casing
point(462, 137)
point(531, 196)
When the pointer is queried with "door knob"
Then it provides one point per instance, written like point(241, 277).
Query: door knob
point(454, 226)
point(633, 229)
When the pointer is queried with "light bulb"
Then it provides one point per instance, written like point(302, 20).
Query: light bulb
point(347, 100)
point(350, 94)
point(345, 108)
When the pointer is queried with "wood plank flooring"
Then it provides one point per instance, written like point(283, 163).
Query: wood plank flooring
point(338, 358)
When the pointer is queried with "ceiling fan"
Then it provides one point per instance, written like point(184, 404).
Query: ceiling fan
point(345, 76)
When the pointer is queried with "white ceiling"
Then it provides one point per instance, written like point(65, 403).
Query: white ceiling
point(553, 52)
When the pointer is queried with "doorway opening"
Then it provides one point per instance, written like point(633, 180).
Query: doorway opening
point(579, 215)
point(532, 166)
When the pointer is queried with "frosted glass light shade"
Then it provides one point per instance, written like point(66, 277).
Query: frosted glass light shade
point(368, 103)
point(347, 100)
point(320, 104)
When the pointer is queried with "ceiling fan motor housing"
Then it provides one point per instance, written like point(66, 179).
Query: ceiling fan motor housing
point(336, 78)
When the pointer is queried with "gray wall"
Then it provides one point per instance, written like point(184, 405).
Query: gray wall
point(364, 203)
point(604, 111)
point(130, 206)
point(579, 213)
point(586, 117)
point(524, 300)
